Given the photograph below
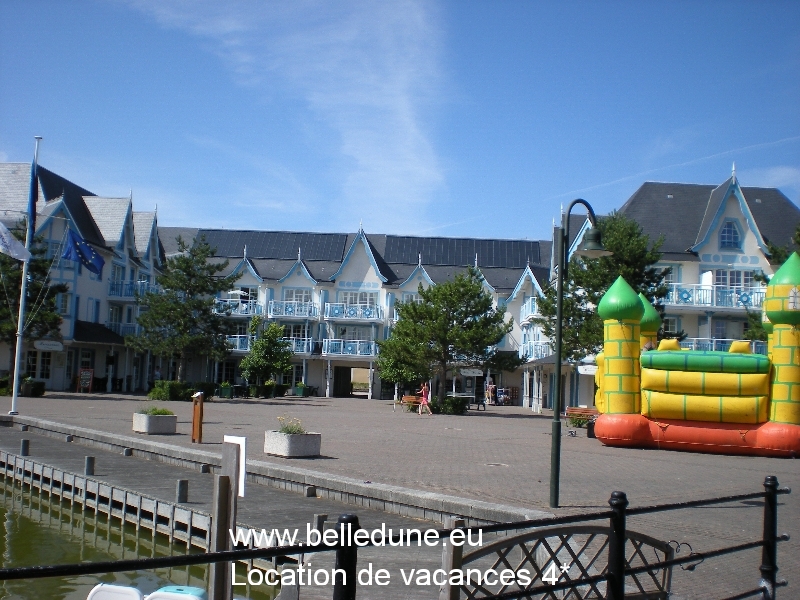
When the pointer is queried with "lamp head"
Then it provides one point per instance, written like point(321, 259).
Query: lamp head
point(592, 246)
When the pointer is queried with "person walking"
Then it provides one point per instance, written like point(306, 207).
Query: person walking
point(425, 392)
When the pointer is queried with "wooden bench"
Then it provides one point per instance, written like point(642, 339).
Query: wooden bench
point(575, 412)
point(411, 400)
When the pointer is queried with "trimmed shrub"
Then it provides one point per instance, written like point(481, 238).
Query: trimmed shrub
point(154, 411)
point(208, 389)
point(451, 406)
point(172, 391)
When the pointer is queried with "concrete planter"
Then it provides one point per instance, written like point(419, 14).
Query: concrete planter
point(292, 445)
point(155, 424)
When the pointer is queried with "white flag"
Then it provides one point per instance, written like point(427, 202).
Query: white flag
point(11, 245)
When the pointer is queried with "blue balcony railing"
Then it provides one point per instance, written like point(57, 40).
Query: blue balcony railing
point(130, 289)
point(290, 310)
point(687, 294)
point(720, 345)
point(300, 345)
point(237, 308)
point(527, 310)
point(349, 348)
point(240, 343)
point(535, 350)
point(353, 312)
point(123, 329)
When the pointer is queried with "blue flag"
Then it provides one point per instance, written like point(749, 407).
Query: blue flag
point(78, 250)
point(33, 196)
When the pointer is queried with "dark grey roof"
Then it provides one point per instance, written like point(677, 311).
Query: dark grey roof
point(281, 245)
point(682, 212)
point(14, 189)
point(461, 251)
point(169, 237)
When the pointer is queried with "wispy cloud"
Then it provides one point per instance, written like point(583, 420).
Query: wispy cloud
point(687, 163)
point(779, 177)
point(365, 70)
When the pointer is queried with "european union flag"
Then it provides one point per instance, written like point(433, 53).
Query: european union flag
point(78, 250)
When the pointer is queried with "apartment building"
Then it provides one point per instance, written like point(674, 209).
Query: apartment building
point(335, 296)
point(99, 309)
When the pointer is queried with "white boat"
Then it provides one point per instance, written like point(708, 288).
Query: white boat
point(105, 591)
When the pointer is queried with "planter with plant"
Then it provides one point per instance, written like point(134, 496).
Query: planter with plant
point(155, 421)
point(225, 390)
point(292, 440)
point(301, 389)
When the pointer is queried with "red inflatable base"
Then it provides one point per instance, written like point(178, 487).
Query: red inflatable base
point(637, 431)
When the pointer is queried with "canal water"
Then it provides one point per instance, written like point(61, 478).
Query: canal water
point(36, 531)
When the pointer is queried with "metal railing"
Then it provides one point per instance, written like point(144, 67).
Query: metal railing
point(238, 308)
point(355, 312)
point(130, 289)
point(688, 294)
point(300, 345)
point(349, 348)
point(240, 342)
point(289, 310)
point(527, 310)
point(720, 345)
point(535, 350)
point(123, 329)
point(613, 574)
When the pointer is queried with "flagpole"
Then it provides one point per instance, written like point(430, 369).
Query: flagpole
point(28, 240)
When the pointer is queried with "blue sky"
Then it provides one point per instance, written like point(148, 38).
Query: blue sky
point(454, 118)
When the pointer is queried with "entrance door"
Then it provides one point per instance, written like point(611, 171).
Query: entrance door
point(342, 386)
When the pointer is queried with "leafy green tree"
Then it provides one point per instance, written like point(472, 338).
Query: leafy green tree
point(634, 257)
point(41, 314)
point(269, 353)
point(454, 325)
point(179, 321)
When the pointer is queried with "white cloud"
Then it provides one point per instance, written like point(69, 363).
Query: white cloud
point(777, 177)
point(365, 70)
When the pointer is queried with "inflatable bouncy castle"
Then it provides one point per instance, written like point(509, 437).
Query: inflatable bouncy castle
point(735, 402)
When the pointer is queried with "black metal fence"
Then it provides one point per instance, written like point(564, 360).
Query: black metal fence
point(614, 574)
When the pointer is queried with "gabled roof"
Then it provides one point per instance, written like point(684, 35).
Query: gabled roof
point(368, 248)
point(110, 215)
point(246, 263)
point(299, 264)
point(716, 207)
point(143, 223)
point(14, 188)
point(679, 212)
point(527, 275)
point(418, 270)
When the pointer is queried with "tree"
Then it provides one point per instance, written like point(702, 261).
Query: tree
point(453, 325)
point(180, 320)
point(41, 314)
point(588, 279)
point(269, 354)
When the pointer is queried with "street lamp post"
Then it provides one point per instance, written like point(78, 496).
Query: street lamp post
point(592, 248)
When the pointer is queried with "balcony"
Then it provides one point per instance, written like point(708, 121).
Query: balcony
point(130, 289)
point(720, 345)
point(240, 343)
point(292, 310)
point(237, 308)
point(348, 348)
point(535, 350)
point(714, 296)
point(353, 312)
point(123, 329)
point(300, 345)
point(528, 310)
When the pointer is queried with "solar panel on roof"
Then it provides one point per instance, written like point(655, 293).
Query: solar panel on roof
point(513, 254)
point(281, 245)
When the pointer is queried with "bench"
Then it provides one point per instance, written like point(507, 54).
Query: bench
point(411, 400)
point(575, 412)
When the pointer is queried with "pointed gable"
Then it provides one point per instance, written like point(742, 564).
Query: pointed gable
point(143, 225)
point(110, 215)
point(361, 243)
point(715, 212)
point(298, 266)
point(527, 276)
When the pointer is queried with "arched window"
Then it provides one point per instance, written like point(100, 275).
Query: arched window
point(729, 236)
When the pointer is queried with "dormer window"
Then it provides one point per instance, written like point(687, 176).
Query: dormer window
point(730, 237)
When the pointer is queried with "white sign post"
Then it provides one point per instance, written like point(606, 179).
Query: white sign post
point(242, 441)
